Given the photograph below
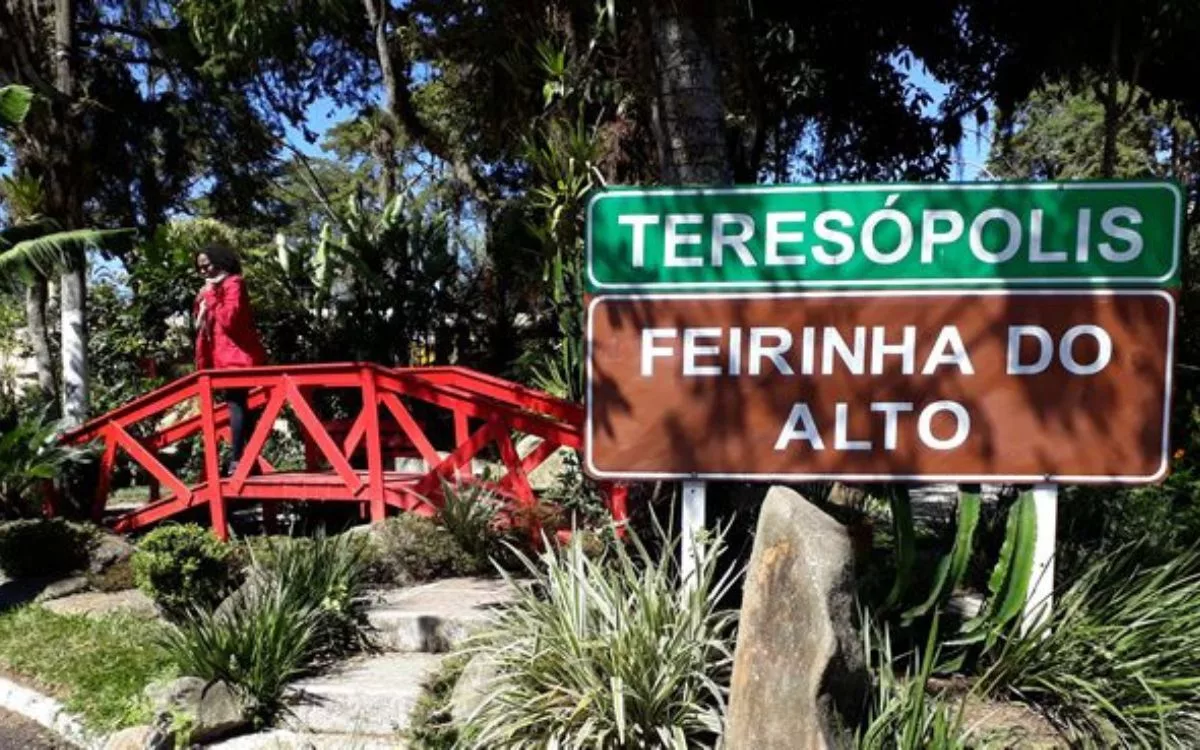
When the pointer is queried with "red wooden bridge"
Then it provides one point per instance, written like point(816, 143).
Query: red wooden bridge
point(344, 460)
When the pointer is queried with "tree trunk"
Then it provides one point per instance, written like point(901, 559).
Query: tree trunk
point(69, 207)
point(1112, 113)
point(688, 109)
point(385, 140)
point(74, 345)
point(36, 297)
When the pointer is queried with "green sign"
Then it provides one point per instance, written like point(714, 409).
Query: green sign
point(787, 236)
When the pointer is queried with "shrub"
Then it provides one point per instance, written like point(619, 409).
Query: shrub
point(301, 604)
point(468, 514)
point(1163, 519)
point(182, 567)
point(413, 548)
point(609, 652)
point(44, 547)
point(1117, 662)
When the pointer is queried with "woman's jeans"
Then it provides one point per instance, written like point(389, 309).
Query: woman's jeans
point(242, 422)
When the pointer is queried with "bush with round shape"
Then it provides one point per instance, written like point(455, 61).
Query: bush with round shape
point(44, 547)
point(183, 567)
point(413, 548)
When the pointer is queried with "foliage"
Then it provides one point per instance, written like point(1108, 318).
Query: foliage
point(183, 567)
point(30, 458)
point(906, 535)
point(44, 547)
point(1116, 662)
point(609, 652)
point(577, 495)
point(903, 716)
point(1163, 519)
point(50, 251)
point(374, 277)
point(1057, 133)
point(259, 640)
point(98, 665)
point(953, 567)
point(414, 548)
point(1010, 568)
point(1009, 584)
point(329, 573)
point(429, 724)
point(14, 105)
point(469, 514)
point(301, 605)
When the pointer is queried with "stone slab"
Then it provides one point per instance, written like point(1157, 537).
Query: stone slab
point(100, 604)
point(435, 617)
point(365, 696)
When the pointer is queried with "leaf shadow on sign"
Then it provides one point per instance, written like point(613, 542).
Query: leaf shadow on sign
point(1094, 413)
point(727, 423)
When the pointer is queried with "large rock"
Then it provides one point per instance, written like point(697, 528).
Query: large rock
point(799, 659)
point(63, 587)
point(139, 738)
point(472, 687)
point(110, 550)
point(208, 710)
point(97, 604)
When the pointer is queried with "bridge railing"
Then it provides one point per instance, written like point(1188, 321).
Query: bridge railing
point(486, 413)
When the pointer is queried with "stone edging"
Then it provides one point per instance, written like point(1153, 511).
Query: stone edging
point(47, 712)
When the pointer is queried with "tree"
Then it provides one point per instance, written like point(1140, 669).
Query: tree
point(1062, 132)
point(128, 117)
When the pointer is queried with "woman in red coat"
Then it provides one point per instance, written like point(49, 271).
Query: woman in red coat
point(225, 336)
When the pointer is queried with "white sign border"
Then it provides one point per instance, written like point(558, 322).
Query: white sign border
point(901, 187)
point(589, 424)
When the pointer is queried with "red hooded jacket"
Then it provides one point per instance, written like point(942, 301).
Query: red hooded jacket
point(226, 336)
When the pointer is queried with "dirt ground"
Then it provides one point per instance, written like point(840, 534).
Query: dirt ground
point(1010, 725)
point(18, 733)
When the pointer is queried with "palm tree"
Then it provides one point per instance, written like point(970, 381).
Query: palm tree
point(33, 248)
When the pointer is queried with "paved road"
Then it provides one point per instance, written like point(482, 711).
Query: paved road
point(18, 733)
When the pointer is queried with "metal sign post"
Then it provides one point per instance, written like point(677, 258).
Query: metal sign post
point(691, 524)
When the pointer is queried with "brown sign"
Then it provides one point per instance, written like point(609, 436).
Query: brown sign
point(1056, 386)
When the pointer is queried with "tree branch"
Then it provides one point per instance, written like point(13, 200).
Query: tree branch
point(402, 108)
point(134, 60)
point(117, 28)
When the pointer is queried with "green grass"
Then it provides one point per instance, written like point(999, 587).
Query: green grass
point(430, 726)
point(99, 667)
